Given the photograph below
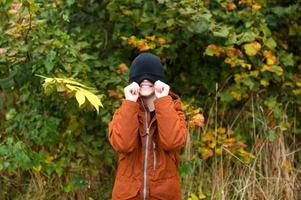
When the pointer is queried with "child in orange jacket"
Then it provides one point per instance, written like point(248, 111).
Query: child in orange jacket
point(148, 130)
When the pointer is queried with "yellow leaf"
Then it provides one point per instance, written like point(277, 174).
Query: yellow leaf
point(49, 80)
point(276, 69)
point(206, 154)
point(201, 195)
point(49, 159)
point(80, 97)
point(72, 88)
point(92, 98)
point(197, 120)
point(246, 65)
point(37, 168)
point(132, 40)
point(298, 84)
point(236, 95)
point(252, 48)
point(256, 6)
point(218, 151)
point(209, 136)
point(238, 78)
point(221, 130)
point(297, 92)
point(270, 57)
point(287, 165)
point(68, 81)
point(264, 82)
point(151, 37)
point(213, 50)
point(230, 61)
point(212, 144)
point(193, 197)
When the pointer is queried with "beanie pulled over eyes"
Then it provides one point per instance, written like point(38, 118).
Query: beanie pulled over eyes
point(146, 66)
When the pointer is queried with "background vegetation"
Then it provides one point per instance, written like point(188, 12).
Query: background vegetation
point(235, 63)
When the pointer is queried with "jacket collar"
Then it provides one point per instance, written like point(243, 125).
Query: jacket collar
point(142, 102)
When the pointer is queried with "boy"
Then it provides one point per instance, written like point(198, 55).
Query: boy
point(148, 130)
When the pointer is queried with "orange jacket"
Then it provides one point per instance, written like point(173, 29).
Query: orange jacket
point(148, 150)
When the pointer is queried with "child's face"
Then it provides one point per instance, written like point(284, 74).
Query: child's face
point(146, 88)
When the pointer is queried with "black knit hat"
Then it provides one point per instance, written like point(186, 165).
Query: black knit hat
point(146, 66)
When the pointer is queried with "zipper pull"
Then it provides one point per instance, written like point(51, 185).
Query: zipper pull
point(147, 131)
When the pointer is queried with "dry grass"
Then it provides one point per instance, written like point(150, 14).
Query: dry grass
point(273, 174)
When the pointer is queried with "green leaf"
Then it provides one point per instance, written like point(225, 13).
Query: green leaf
point(270, 43)
point(272, 135)
point(200, 26)
point(49, 62)
point(222, 31)
point(287, 59)
point(275, 69)
point(170, 22)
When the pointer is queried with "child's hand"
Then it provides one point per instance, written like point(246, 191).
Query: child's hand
point(161, 89)
point(131, 92)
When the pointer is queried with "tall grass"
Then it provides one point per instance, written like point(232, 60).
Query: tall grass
point(273, 174)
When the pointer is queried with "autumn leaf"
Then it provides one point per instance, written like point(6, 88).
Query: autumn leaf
point(256, 6)
point(197, 120)
point(122, 68)
point(288, 165)
point(264, 82)
point(218, 151)
point(37, 168)
point(298, 84)
point(221, 130)
point(231, 62)
point(252, 48)
point(80, 97)
point(236, 94)
point(15, 7)
point(208, 136)
point(231, 6)
point(201, 195)
point(270, 57)
point(151, 37)
point(230, 133)
point(144, 46)
point(206, 153)
point(230, 51)
point(213, 50)
point(162, 41)
point(92, 98)
point(132, 40)
point(67, 86)
point(275, 69)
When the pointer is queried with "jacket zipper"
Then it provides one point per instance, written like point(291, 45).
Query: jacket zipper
point(155, 158)
point(146, 152)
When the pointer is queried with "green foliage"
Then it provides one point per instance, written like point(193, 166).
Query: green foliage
point(214, 52)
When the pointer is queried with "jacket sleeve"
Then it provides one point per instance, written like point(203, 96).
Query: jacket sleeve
point(171, 123)
point(123, 129)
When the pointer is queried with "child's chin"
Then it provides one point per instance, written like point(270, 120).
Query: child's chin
point(146, 94)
